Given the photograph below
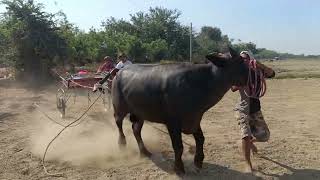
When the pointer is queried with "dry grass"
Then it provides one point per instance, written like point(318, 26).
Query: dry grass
point(288, 69)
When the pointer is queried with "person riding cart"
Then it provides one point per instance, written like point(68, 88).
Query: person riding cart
point(107, 66)
point(123, 62)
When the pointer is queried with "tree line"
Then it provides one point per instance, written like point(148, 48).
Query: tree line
point(33, 41)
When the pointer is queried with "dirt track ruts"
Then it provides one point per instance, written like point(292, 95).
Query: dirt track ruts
point(90, 151)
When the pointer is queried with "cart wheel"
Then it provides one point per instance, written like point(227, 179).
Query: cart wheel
point(61, 105)
point(74, 96)
point(109, 100)
point(61, 102)
point(106, 100)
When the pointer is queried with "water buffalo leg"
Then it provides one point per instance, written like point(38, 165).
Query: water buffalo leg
point(176, 139)
point(119, 120)
point(136, 127)
point(199, 156)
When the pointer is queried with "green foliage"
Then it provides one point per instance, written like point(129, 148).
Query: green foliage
point(157, 50)
point(34, 41)
point(7, 50)
point(212, 33)
point(266, 54)
point(245, 47)
point(210, 39)
point(34, 36)
point(159, 28)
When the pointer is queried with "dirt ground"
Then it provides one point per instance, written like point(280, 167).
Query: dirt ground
point(90, 150)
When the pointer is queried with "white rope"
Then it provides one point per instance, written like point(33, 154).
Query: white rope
point(65, 127)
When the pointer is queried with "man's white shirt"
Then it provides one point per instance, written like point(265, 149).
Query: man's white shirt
point(121, 65)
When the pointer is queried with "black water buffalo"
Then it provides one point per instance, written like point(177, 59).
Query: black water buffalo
point(176, 95)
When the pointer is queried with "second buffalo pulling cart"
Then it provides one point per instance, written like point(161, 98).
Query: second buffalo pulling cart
point(81, 83)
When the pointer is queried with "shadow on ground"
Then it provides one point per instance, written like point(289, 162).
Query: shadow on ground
point(209, 171)
point(296, 174)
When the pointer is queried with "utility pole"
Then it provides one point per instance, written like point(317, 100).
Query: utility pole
point(190, 42)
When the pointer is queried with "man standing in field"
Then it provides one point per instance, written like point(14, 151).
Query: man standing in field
point(253, 127)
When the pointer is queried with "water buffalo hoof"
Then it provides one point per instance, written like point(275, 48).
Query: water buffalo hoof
point(122, 142)
point(198, 164)
point(179, 170)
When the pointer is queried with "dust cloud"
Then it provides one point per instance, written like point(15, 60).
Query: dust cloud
point(93, 143)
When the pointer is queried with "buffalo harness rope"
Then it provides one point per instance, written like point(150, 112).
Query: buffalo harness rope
point(256, 83)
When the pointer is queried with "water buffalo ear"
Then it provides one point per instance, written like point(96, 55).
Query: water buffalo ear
point(233, 52)
point(217, 59)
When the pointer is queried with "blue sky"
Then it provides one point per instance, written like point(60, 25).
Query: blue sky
point(282, 25)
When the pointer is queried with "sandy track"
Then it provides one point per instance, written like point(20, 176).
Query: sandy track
point(90, 150)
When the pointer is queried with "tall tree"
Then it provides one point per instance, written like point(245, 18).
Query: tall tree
point(159, 25)
point(211, 39)
point(35, 37)
point(243, 46)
